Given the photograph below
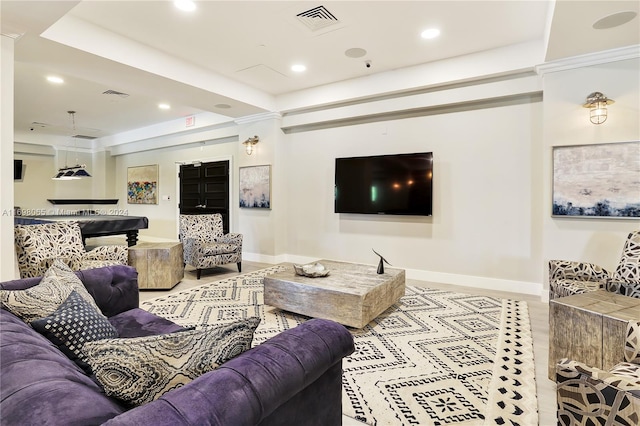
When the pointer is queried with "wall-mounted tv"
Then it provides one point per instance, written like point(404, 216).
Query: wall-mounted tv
point(399, 184)
point(17, 169)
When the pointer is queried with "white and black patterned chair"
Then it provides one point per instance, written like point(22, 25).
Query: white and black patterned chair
point(590, 396)
point(39, 245)
point(568, 277)
point(205, 245)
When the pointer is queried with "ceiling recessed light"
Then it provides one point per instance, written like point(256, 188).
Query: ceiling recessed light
point(222, 106)
point(298, 68)
point(430, 33)
point(186, 5)
point(164, 106)
point(55, 79)
point(614, 20)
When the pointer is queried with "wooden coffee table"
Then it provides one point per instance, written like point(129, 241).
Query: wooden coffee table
point(590, 328)
point(352, 294)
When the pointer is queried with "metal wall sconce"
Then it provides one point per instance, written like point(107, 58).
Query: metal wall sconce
point(249, 143)
point(597, 104)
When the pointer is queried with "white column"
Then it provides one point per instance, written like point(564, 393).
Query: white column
point(7, 251)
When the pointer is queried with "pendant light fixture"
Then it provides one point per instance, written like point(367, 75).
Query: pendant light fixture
point(78, 171)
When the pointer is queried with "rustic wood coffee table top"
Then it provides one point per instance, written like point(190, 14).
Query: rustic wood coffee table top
point(352, 294)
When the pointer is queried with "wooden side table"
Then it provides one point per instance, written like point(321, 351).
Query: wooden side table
point(160, 266)
point(590, 328)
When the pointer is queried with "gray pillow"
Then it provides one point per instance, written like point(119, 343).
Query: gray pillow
point(73, 324)
point(44, 298)
point(141, 369)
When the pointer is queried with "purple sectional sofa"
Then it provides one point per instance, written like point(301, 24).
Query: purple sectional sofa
point(295, 378)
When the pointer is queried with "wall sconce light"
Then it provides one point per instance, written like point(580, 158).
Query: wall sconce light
point(249, 143)
point(597, 104)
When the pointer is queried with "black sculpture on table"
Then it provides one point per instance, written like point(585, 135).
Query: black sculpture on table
point(381, 264)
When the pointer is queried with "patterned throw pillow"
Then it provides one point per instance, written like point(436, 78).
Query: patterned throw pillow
point(73, 324)
point(45, 297)
point(142, 369)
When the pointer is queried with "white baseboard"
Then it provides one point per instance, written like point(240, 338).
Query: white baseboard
point(498, 284)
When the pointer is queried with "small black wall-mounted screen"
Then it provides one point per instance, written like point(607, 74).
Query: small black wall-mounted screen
point(17, 169)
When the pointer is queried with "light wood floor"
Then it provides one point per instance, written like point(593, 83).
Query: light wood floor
point(538, 312)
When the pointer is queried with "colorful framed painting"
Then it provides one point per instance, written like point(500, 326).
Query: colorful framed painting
point(142, 184)
point(255, 187)
point(597, 181)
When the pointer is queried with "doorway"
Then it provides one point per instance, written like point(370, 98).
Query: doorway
point(204, 189)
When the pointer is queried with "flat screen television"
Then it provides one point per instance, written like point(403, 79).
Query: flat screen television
point(17, 169)
point(399, 184)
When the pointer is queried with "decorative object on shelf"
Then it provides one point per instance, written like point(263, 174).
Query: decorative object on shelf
point(312, 270)
point(142, 184)
point(78, 171)
point(381, 263)
point(596, 181)
point(249, 143)
point(255, 187)
point(597, 104)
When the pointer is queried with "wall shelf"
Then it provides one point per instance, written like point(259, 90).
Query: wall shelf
point(69, 201)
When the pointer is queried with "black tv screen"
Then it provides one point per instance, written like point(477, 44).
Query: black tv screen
point(17, 169)
point(398, 184)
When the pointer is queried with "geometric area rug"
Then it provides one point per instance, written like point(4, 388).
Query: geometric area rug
point(434, 358)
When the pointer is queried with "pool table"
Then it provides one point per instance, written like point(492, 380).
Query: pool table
point(95, 225)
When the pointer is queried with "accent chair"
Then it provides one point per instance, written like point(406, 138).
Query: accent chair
point(39, 245)
point(590, 396)
point(568, 277)
point(205, 245)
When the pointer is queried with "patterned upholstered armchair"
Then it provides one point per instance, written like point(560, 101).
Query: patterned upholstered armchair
point(205, 245)
point(569, 277)
point(37, 246)
point(590, 396)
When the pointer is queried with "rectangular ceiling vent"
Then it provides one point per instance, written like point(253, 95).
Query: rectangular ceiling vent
point(317, 18)
point(84, 137)
point(116, 93)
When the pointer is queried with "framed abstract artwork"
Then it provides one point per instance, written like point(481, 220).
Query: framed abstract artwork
point(142, 184)
point(597, 181)
point(255, 187)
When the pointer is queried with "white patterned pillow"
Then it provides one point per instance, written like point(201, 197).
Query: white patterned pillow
point(44, 298)
point(141, 369)
point(73, 324)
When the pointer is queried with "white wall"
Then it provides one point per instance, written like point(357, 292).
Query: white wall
point(485, 188)
point(567, 123)
point(7, 254)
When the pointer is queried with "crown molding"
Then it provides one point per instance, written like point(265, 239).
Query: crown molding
point(258, 117)
point(581, 61)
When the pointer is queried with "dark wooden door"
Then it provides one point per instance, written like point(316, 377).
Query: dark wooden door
point(204, 189)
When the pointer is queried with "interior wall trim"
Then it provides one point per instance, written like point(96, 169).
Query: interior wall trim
point(499, 101)
point(475, 81)
point(614, 55)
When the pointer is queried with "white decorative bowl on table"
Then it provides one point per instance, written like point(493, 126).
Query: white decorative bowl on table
point(312, 270)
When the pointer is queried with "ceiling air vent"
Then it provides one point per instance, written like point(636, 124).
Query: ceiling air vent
point(317, 18)
point(114, 92)
point(84, 137)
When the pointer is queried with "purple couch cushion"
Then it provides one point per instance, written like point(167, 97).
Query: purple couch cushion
point(138, 323)
point(39, 382)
